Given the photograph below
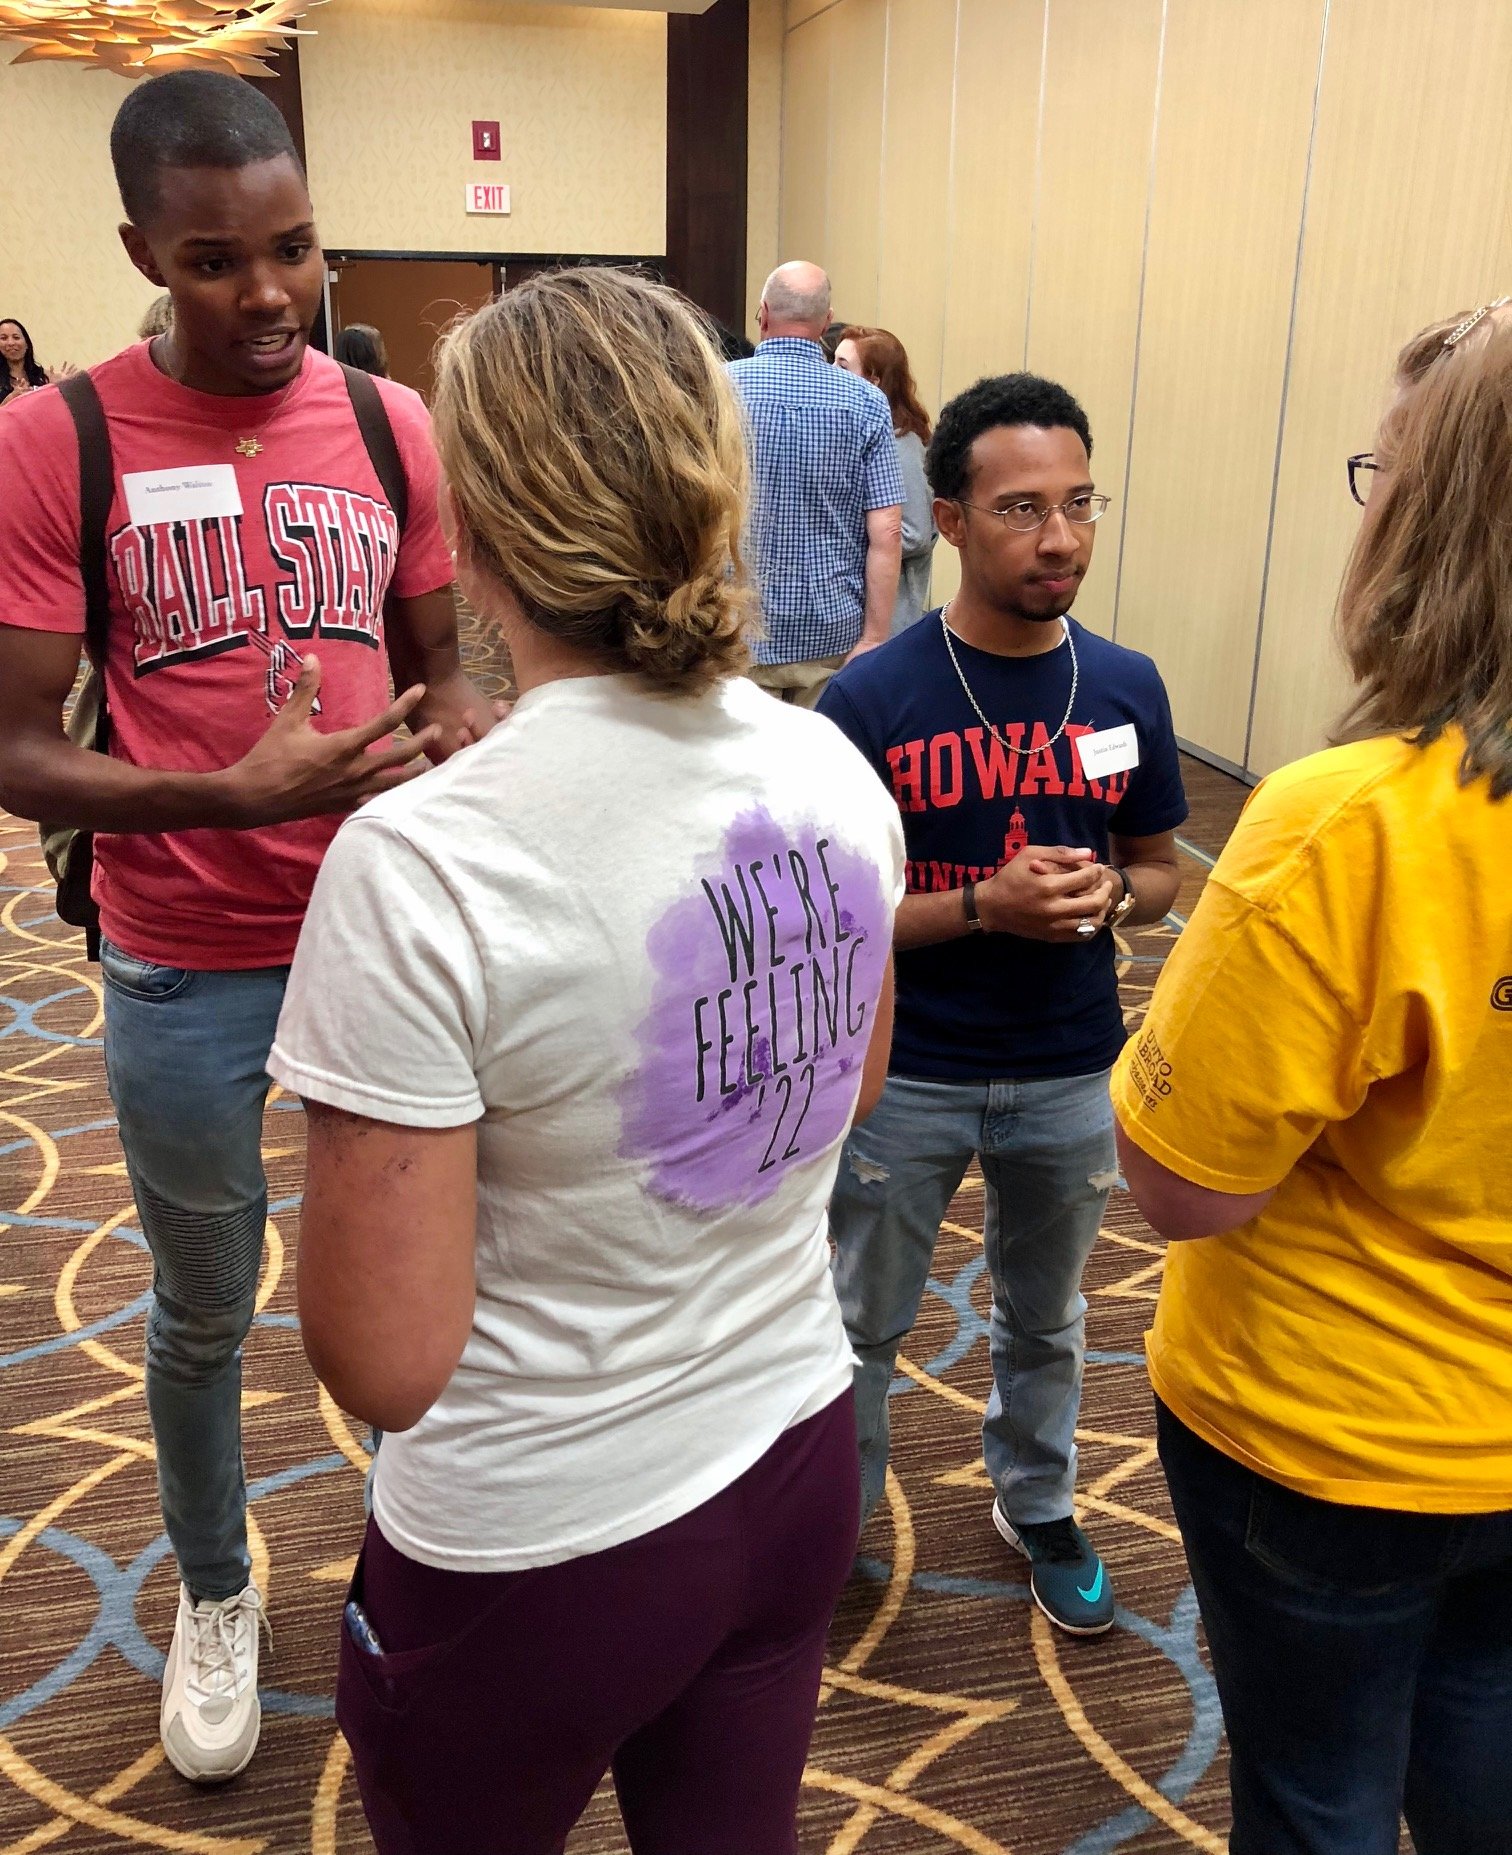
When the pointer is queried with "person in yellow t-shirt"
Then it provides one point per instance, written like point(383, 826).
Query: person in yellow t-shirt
point(1322, 1093)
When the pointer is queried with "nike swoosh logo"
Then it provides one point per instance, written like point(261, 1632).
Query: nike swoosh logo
point(1093, 1591)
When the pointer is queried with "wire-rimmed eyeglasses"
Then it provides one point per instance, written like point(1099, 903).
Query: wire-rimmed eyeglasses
point(1025, 516)
point(1359, 483)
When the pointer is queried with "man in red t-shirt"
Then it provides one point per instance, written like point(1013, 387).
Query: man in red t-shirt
point(257, 580)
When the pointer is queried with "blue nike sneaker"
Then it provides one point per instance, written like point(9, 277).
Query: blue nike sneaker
point(1069, 1582)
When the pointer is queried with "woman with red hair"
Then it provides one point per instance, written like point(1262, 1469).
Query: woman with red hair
point(877, 355)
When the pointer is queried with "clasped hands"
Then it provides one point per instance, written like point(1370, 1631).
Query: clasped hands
point(1046, 892)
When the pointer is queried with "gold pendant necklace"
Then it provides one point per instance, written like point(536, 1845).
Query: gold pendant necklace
point(251, 445)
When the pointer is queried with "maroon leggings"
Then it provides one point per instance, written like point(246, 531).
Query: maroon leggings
point(687, 1660)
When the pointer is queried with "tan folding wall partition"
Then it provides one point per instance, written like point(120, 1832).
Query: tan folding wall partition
point(1214, 220)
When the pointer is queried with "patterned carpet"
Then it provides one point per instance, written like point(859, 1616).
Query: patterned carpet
point(953, 1719)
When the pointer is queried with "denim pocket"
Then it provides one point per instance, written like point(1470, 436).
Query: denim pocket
point(140, 979)
point(1362, 1551)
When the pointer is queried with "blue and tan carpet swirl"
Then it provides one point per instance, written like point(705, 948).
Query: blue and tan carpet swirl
point(953, 1719)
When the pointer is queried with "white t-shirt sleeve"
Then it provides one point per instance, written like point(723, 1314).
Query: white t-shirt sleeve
point(898, 853)
point(386, 1006)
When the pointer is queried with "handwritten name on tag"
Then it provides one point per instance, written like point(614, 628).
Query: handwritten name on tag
point(1112, 750)
point(198, 492)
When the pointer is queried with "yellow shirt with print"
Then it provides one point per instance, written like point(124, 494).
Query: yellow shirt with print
point(1336, 1022)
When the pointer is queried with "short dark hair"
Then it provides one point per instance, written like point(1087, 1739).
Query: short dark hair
point(360, 345)
point(191, 119)
point(1002, 399)
point(732, 345)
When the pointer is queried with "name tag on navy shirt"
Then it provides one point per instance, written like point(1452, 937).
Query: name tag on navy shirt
point(1112, 750)
point(193, 493)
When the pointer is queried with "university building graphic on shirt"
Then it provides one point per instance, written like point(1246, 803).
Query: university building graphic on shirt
point(1017, 837)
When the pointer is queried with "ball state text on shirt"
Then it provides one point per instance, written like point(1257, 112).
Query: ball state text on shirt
point(186, 585)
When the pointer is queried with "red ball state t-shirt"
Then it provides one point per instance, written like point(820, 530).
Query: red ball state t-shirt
point(225, 572)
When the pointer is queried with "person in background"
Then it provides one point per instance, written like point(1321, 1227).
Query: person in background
point(831, 338)
point(158, 318)
point(877, 355)
point(827, 498)
point(1035, 768)
point(20, 370)
point(733, 346)
point(256, 598)
point(359, 344)
point(1322, 1094)
point(580, 1028)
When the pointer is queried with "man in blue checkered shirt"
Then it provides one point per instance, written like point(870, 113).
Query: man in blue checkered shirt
point(827, 498)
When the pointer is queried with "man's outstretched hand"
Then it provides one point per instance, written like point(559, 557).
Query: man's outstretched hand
point(295, 771)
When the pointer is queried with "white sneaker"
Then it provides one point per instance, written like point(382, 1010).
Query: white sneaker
point(210, 1716)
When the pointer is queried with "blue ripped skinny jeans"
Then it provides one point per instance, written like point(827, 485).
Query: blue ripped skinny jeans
point(1048, 1160)
point(186, 1057)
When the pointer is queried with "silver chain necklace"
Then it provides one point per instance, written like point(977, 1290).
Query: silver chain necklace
point(1007, 746)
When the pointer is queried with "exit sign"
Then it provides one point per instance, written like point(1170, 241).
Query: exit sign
point(487, 196)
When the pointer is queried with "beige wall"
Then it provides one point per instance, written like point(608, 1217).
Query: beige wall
point(1215, 220)
point(391, 88)
point(62, 269)
point(390, 91)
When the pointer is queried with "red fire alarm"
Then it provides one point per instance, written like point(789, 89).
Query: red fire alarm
point(486, 141)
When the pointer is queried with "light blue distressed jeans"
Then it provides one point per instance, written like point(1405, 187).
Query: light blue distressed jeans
point(1048, 1161)
point(186, 1057)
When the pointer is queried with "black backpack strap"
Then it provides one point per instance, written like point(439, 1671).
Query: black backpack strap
point(96, 493)
point(378, 436)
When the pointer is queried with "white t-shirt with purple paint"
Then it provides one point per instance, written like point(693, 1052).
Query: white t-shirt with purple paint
point(639, 939)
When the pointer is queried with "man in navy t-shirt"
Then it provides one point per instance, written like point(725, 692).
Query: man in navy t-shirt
point(1036, 771)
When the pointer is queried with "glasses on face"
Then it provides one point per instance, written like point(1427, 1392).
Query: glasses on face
point(1359, 482)
point(1025, 516)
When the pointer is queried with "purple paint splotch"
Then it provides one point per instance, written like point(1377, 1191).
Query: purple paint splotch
point(765, 982)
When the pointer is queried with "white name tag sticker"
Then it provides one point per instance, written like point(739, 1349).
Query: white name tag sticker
point(196, 493)
point(1112, 750)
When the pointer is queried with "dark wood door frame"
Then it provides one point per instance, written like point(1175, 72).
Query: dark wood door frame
point(283, 88)
point(708, 71)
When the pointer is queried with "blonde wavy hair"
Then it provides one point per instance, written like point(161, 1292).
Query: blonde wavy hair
point(597, 459)
point(1425, 612)
point(158, 318)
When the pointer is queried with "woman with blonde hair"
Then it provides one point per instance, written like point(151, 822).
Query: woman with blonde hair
point(581, 1020)
point(877, 355)
point(1323, 1093)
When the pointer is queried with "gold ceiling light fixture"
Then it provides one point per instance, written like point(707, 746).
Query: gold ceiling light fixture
point(141, 38)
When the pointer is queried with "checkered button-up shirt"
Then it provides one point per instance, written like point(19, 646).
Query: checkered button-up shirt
point(823, 454)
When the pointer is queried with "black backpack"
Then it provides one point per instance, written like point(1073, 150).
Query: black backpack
point(70, 852)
